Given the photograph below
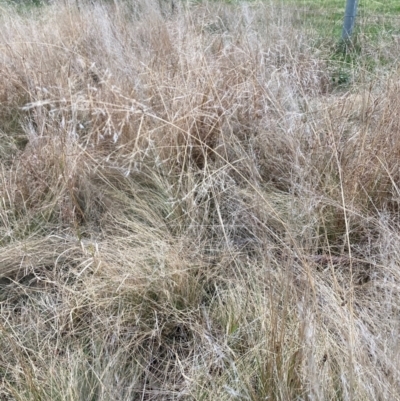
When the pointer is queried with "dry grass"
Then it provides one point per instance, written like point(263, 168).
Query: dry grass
point(189, 209)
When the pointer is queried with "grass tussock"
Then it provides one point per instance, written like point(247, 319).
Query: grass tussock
point(192, 207)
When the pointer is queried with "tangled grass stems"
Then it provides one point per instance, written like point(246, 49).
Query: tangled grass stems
point(191, 208)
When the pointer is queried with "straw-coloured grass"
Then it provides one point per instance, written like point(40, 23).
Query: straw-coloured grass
point(190, 208)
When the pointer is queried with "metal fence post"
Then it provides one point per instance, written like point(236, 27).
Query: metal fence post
point(349, 18)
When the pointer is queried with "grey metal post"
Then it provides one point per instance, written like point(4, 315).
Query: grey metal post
point(349, 18)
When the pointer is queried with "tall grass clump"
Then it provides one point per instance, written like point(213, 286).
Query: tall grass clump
point(191, 208)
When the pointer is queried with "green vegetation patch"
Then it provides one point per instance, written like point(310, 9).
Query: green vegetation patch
point(326, 16)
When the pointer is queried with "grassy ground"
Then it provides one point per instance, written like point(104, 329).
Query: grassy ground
point(389, 6)
point(196, 204)
point(374, 18)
